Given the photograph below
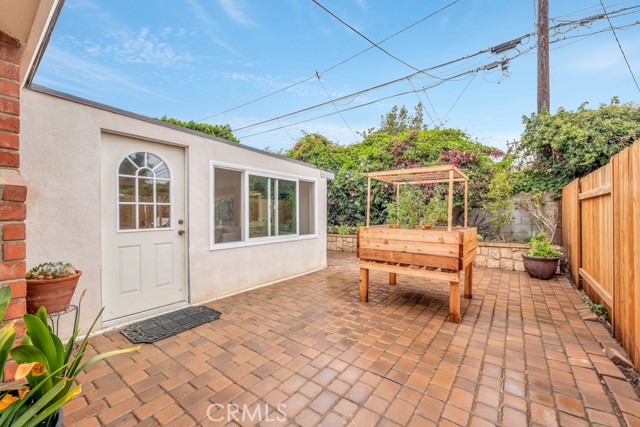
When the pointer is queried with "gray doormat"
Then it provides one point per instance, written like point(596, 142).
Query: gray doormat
point(166, 325)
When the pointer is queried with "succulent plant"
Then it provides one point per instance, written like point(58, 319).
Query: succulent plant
point(51, 270)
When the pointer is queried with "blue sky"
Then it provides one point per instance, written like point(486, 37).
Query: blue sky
point(191, 59)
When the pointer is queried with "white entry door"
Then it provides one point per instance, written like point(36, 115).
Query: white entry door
point(143, 226)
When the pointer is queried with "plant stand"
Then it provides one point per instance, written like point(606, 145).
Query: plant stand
point(440, 254)
point(54, 318)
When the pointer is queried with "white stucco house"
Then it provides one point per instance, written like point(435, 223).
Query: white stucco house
point(156, 216)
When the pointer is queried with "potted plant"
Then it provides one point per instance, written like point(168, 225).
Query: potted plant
point(51, 285)
point(46, 369)
point(541, 260)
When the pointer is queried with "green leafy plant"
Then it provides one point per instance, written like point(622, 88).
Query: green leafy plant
point(498, 199)
point(48, 366)
point(570, 144)
point(415, 208)
point(344, 230)
point(398, 143)
point(51, 270)
point(530, 236)
point(221, 131)
point(541, 247)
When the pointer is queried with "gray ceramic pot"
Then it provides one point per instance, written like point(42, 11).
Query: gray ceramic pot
point(540, 268)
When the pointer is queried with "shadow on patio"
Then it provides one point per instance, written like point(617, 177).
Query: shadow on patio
point(521, 355)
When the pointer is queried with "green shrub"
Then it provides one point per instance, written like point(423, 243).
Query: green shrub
point(570, 144)
point(541, 247)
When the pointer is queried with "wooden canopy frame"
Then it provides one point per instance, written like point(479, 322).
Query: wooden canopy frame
point(424, 175)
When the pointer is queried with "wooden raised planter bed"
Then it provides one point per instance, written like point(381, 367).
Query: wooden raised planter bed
point(442, 253)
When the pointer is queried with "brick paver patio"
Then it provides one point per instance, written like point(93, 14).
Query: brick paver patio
point(522, 355)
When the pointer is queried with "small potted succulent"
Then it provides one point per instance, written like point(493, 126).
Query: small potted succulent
point(541, 260)
point(51, 285)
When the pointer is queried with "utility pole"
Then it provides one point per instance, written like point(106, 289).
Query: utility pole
point(543, 56)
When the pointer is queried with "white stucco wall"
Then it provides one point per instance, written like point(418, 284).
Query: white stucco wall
point(60, 160)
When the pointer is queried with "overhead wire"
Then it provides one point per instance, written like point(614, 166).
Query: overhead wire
point(579, 22)
point(335, 106)
point(438, 83)
point(459, 96)
point(624, 55)
point(374, 44)
point(344, 61)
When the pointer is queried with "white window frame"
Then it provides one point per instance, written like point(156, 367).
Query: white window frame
point(255, 241)
point(137, 203)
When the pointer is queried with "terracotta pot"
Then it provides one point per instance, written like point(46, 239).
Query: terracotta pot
point(540, 268)
point(54, 294)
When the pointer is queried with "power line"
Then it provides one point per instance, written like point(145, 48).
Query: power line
point(620, 46)
point(376, 45)
point(344, 61)
point(459, 96)
point(433, 85)
point(579, 22)
point(422, 103)
point(474, 71)
point(582, 22)
point(334, 106)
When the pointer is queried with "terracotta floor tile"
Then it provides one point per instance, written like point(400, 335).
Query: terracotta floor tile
point(520, 354)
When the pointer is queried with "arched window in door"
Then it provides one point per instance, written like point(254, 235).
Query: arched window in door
point(144, 193)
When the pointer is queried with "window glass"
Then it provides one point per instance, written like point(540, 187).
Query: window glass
point(259, 205)
point(286, 207)
point(143, 196)
point(306, 194)
point(127, 217)
point(227, 214)
point(127, 190)
point(146, 216)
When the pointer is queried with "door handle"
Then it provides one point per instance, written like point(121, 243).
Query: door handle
point(181, 232)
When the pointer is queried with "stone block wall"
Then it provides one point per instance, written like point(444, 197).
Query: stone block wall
point(505, 256)
point(342, 242)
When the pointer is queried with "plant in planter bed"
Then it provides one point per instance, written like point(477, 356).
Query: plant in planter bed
point(46, 369)
point(51, 285)
point(541, 261)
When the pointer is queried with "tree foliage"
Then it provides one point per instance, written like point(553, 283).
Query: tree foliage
point(570, 144)
point(381, 151)
point(398, 120)
point(221, 131)
point(498, 198)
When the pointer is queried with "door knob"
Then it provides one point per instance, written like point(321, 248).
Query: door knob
point(181, 232)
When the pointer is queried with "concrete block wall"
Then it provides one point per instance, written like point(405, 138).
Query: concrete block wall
point(522, 225)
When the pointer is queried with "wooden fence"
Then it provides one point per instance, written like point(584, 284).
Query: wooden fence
point(601, 233)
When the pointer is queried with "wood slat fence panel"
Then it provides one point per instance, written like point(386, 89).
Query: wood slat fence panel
point(596, 235)
point(571, 227)
point(601, 233)
point(626, 253)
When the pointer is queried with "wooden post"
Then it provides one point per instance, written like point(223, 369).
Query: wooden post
point(466, 202)
point(364, 284)
point(468, 278)
point(397, 206)
point(392, 278)
point(454, 301)
point(450, 216)
point(543, 56)
point(368, 198)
